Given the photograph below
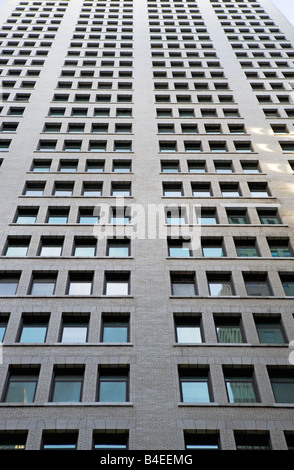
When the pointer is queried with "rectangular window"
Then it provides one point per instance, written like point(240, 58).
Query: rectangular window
point(67, 385)
point(85, 247)
point(50, 247)
point(117, 283)
point(21, 385)
point(201, 441)
point(246, 248)
point(118, 248)
point(194, 386)
point(80, 284)
point(115, 328)
point(17, 246)
point(229, 329)
point(188, 329)
point(57, 216)
point(43, 284)
point(87, 216)
point(113, 384)
point(33, 328)
point(269, 330)
point(220, 284)
point(74, 328)
point(287, 281)
point(240, 385)
point(59, 440)
point(110, 440)
point(282, 382)
point(13, 440)
point(26, 215)
point(212, 247)
point(179, 248)
point(279, 248)
point(183, 284)
point(9, 283)
point(257, 284)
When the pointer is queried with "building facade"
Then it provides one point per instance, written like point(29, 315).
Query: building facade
point(146, 271)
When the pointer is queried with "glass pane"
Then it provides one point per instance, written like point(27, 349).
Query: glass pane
point(188, 334)
point(269, 333)
point(183, 289)
point(289, 288)
point(8, 288)
point(257, 288)
point(229, 334)
point(33, 333)
point(88, 219)
point(84, 251)
point(283, 390)
point(57, 220)
point(118, 250)
point(59, 446)
point(115, 332)
point(80, 288)
point(2, 331)
point(212, 251)
point(73, 333)
point(67, 390)
point(246, 251)
point(220, 288)
point(206, 220)
point(240, 390)
point(21, 391)
point(51, 251)
point(26, 219)
point(112, 391)
point(17, 250)
point(196, 392)
point(43, 288)
point(179, 252)
point(280, 252)
point(117, 288)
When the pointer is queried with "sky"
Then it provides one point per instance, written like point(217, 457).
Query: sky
point(286, 7)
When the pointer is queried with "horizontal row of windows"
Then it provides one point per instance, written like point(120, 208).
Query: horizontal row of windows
point(116, 328)
point(195, 383)
point(256, 284)
point(120, 247)
point(174, 216)
point(205, 189)
point(119, 439)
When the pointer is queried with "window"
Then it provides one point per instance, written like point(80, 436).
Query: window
point(223, 167)
point(252, 441)
point(117, 283)
point(212, 247)
point(67, 384)
point(240, 385)
point(34, 189)
point(179, 248)
point(33, 328)
point(108, 440)
point(175, 216)
point(120, 215)
point(172, 189)
point(269, 330)
point(8, 283)
point(17, 246)
point(188, 329)
point(92, 189)
point(123, 146)
point(59, 440)
point(194, 387)
point(74, 328)
point(282, 382)
point(21, 385)
point(47, 145)
point(94, 166)
point(201, 441)
point(288, 283)
point(41, 166)
point(268, 216)
point(80, 284)
point(237, 216)
point(63, 189)
point(229, 329)
point(115, 328)
point(191, 146)
point(118, 248)
point(26, 215)
point(207, 217)
point(121, 189)
point(85, 247)
point(113, 384)
point(10, 440)
point(230, 189)
point(279, 248)
point(121, 166)
point(50, 246)
point(183, 284)
point(68, 166)
point(170, 166)
point(43, 284)
point(167, 146)
point(220, 284)
point(3, 325)
point(258, 189)
point(201, 189)
point(57, 216)
point(250, 167)
point(246, 248)
point(87, 216)
point(257, 284)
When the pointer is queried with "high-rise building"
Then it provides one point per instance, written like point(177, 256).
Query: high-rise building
point(146, 209)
